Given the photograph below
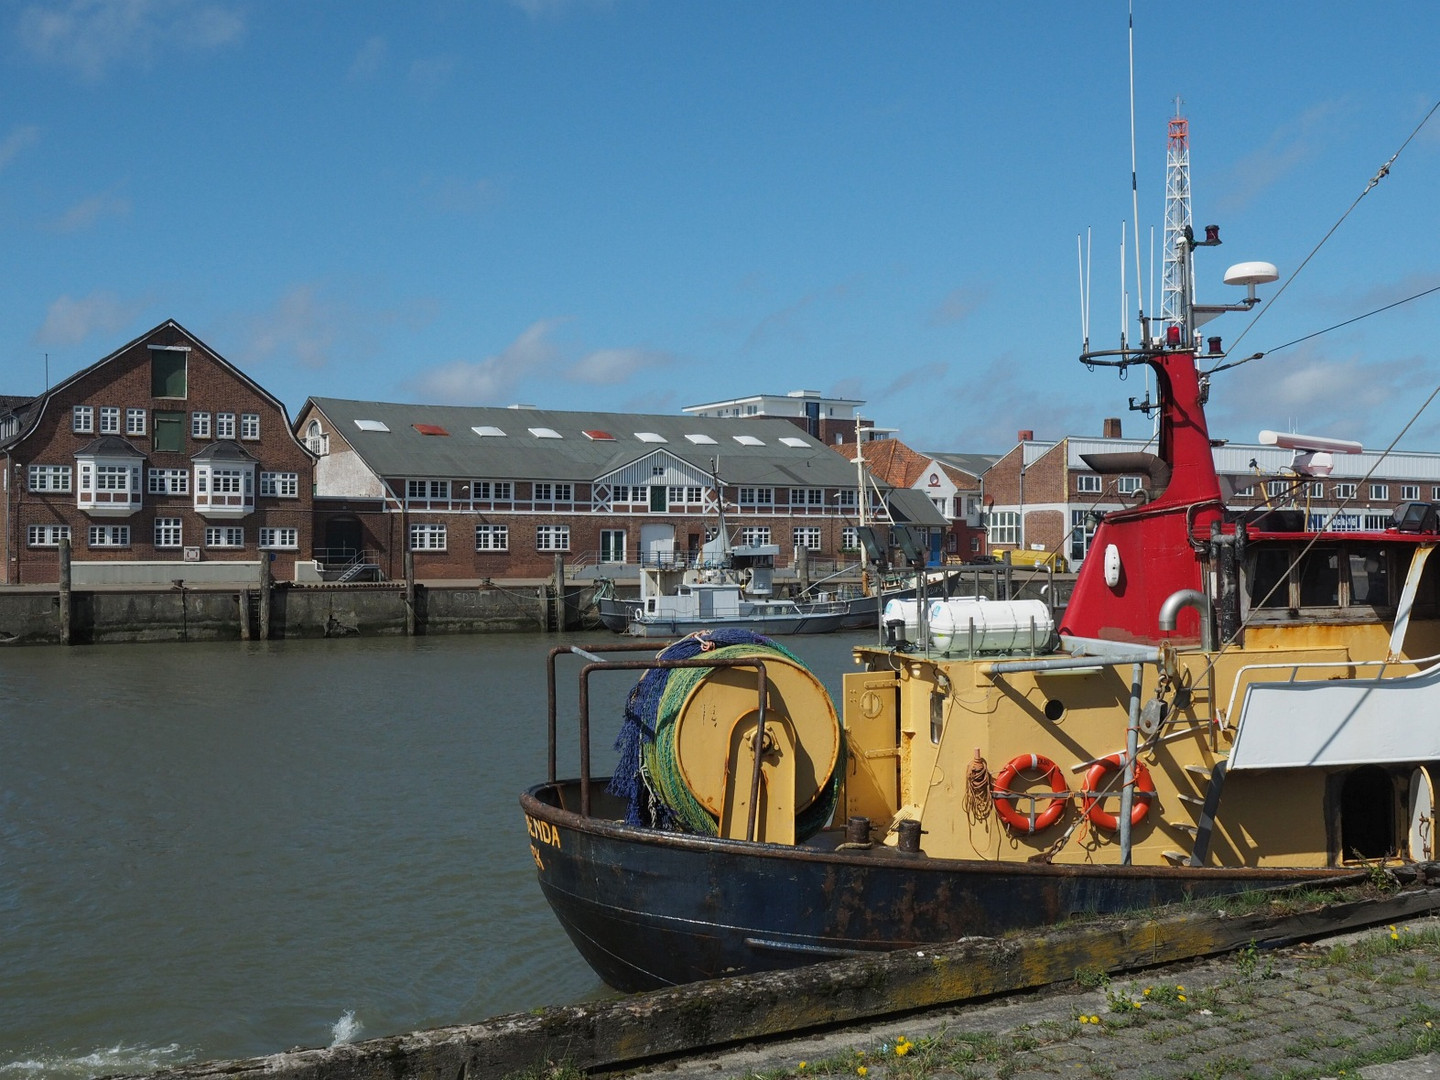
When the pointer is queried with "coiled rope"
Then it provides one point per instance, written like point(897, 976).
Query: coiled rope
point(648, 775)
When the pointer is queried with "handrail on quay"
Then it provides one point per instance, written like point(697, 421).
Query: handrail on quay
point(598, 663)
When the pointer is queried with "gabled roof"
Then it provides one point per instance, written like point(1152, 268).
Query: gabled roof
point(974, 464)
point(911, 507)
point(223, 450)
point(892, 462)
point(31, 413)
point(109, 446)
point(444, 441)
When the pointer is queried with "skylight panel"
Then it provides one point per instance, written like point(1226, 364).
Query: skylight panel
point(545, 433)
point(791, 440)
point(650, 436)
point(430, 429)
point(748, 440)
point(598, 436)
point(701, 440)
point(371, 425)
point(488, 431)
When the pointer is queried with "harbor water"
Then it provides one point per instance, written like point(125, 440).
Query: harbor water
point(225, 850)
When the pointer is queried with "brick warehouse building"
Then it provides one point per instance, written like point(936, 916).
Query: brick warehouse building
point(500, 492)
point(160, 462)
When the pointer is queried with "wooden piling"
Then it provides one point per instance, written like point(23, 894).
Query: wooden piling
point(265, 589)
point(244, 614)
point(409, 594)
point(65, 591)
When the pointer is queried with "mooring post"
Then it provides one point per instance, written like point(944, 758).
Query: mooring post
point(265, 584)
point(802, 567)
point(244, 614)
point(558, 611)
point(409, 594)
point(65, 638)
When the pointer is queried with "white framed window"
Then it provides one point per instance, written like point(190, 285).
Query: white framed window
point(807, 496)
point(849, 538)
point(755, 534)
point(552, 538)
point(1409, 492)
point(1245, 492)
point(109, 419)
point(168, 533)
point(281, 537)
point(1127, 485)
point(37, 536)
point(249, 425)
point(283, 485)
point(224, 481)
point(200, 425)
point(1004, 527)
point(109, 487)
point(757, 496)
point(1345, 491)
point(224, 425)
point(554, 493)
point(1376, 522)
point(1082, 531)
point(1277, 488)
point(848, 499)
point(82, 419)
point(1088, 483)
point(612, 545)
point(224, 536)
point(168, 482)
point(425, 490)
point(427, 537)
point(224, 490)
point(493, 490)
point(1435, 492)
point(1379, 492)
point(135, 421)
point(109, 536)
point(1315, 489)
point(807, 537)
point(49, 478)
point(492, 537)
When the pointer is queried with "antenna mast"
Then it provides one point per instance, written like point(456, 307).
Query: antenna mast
point(1174, 301)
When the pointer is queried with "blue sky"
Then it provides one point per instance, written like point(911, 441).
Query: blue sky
point(644, 204)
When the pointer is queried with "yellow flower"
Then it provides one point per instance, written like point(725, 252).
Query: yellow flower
point(1136, 1004)
point(1394, 937)
point(861, 1071)
point(1147, 991)
point(804, 1064)
point(1094, 1019)
point(1179, 989)
point(1427, 1023)
point(1182, 997)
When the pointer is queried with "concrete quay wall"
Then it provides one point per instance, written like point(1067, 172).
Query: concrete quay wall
point(112, 615)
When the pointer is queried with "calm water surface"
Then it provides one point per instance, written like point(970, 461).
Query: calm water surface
point(222, 850)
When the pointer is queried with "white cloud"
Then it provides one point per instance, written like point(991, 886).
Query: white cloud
point(370, 59)
point(606, 367)
point(303, 325)
point(16, 143)
point(1287, 149)
point(91, 35)
point(958, 304)
point(87, 212)
point(70, 320)
point(491, 380)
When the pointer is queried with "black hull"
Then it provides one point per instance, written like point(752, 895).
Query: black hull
point(649, 909)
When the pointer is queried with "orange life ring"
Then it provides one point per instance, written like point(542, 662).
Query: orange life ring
point(1092, 808)
point(1005, 796)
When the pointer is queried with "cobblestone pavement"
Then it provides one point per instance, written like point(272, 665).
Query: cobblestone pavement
point(1365, 1005)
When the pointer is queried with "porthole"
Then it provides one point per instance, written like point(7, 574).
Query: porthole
point(1054, 709)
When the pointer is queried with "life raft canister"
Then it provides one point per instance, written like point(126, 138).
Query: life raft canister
point(1005, 796)
point(1093, 809)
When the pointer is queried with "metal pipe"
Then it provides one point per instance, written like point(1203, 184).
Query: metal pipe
point(1062, 663)
point(1192, 598)
point(1132, 747)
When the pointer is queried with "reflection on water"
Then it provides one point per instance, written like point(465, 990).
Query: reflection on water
point(216, 850)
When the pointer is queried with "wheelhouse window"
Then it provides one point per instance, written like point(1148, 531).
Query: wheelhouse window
point(1327, 578)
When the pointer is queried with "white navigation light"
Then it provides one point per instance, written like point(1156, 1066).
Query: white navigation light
point(1112, 566)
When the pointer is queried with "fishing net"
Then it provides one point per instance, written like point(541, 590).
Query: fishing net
point(648, 776)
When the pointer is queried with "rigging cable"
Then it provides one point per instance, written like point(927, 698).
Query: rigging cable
point(1383, 172)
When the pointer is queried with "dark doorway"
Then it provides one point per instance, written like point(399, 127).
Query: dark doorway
point(343, 539)
point(1367, 814)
